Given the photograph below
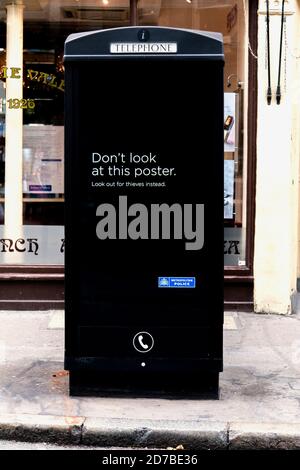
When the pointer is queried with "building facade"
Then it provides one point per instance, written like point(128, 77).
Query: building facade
point(261, 140)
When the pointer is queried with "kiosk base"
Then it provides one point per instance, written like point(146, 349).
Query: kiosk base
point(164, 385)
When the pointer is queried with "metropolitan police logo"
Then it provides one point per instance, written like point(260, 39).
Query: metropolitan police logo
point(163, 282)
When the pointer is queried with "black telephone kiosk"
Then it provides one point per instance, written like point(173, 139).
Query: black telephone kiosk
point(144, 136)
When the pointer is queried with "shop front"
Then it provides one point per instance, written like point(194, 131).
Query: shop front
point(32, 36)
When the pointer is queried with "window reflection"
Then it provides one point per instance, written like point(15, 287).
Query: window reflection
point(227, 17)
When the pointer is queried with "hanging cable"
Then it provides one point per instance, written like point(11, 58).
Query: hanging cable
point(278, 90)
point(269, 91)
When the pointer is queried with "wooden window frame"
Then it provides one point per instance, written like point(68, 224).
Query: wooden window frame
point(236, 272)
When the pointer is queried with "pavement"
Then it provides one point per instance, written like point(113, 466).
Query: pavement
point(259, 405)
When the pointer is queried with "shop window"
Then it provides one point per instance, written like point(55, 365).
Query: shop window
point(32, 210)
point(227, 17)
point(31, 173)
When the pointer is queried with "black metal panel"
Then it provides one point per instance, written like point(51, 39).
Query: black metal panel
point(96, 44)
point(170, 114)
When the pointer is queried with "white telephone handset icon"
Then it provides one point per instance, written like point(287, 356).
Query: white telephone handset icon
point(143, 342)
point(140, 340)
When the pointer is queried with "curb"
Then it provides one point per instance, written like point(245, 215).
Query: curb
point(162, 434)
point(193, 435)
point(261, 436)
point(113, 432)
point(41, 428)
